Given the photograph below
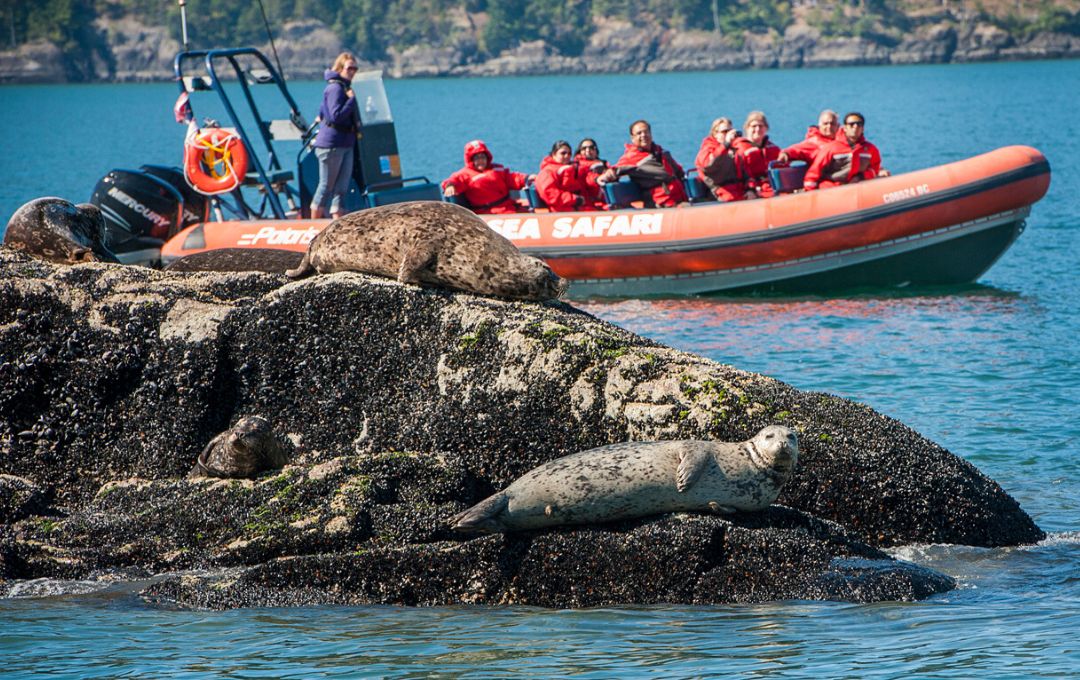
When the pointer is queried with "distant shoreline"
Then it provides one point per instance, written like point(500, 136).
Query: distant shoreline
point(138, 53)
point(312, 75)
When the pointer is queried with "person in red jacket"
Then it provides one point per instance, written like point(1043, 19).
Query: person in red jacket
point(817, 136)
point(485, 185)
point(561, 181)
point(848, 158)
point(756, 152)
point(718, 166)
point(650, 167)
point(588, 157)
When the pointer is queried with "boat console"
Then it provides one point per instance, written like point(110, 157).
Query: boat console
point(275, 169)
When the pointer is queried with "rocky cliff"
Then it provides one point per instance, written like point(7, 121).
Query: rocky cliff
point(139, 53)
point(406, 405)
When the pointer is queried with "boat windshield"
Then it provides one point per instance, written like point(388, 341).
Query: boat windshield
point(371, 95)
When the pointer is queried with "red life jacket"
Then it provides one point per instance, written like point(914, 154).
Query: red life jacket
point(660, 176)
point(756, 161)
point(721, 169)
point(840, 162)
point(592, 168)
point(808, 147)
point(561, 185)
point(487, 191)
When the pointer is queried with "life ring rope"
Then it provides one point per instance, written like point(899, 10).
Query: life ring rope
point(215, 160)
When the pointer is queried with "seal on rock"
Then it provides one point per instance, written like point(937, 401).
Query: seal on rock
point(269, 260)
point(430, 242)
point(244, 450)
point(56, 230)
point(635, 479)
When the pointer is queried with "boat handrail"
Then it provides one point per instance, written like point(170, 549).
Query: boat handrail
point(266, 74)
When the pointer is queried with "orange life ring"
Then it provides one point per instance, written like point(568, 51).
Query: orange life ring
point(215, 160)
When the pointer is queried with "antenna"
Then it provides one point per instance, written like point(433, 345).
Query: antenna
point(183, 21)
point(269, 35)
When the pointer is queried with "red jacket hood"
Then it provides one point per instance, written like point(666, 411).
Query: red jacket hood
point(842, 138)
point(474, 147)
point(815, 132)
point(713, 144)
point(633, 148)
point(548, 160)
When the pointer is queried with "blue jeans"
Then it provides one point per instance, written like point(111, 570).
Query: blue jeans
point(335, 171)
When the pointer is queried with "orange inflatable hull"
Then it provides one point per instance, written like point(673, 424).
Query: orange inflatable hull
point(941, 225)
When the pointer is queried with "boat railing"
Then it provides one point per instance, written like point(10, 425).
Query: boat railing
point(417, 188)
point(269, 176)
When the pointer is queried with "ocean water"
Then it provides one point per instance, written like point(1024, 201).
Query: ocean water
point(989, 370)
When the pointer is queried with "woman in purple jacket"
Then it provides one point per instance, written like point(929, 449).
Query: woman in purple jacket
point(339, 121)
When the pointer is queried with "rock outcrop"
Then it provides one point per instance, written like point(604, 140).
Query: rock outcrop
point(38, 62)
point(408, 405)
point(136, 52)
point(140, 53)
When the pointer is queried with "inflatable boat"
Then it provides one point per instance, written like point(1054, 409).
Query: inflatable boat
point(942, 225)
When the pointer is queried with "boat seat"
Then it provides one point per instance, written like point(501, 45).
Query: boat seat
point(622, 193)
point(260, 76)
point(197, 84)
point(464, 202)
point(422, 191)
point(787, 179)
point(696, 190)
point(534, 197)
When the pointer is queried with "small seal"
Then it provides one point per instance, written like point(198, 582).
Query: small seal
point(430, 242)
point(244, 450)
point(269, 260)
point(56, 230)
point(635, 479)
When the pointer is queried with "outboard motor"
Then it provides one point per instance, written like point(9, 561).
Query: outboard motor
point(141, 212)
point(196, 205)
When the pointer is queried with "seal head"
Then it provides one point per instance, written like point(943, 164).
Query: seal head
point(56, 230)
point(244, 450)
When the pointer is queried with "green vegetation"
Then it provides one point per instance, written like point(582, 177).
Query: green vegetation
point(1047, 17)
point(68, 24)
point(469, 341)
point(378, 28)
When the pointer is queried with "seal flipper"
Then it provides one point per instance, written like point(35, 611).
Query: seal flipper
point(415, 259)
point(302, 269)
point(691, 465)
point(722, 509)
point(482, 518)
point(201, 469)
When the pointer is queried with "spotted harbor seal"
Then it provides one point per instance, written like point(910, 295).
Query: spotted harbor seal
point(430, 242)
point(270, 260)
point(635, 479)
point(56, 230)
point(244, 450)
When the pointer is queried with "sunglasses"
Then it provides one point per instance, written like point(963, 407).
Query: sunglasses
point(350, 69)
point(854, 123)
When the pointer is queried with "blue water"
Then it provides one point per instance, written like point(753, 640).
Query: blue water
point(988, 370)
